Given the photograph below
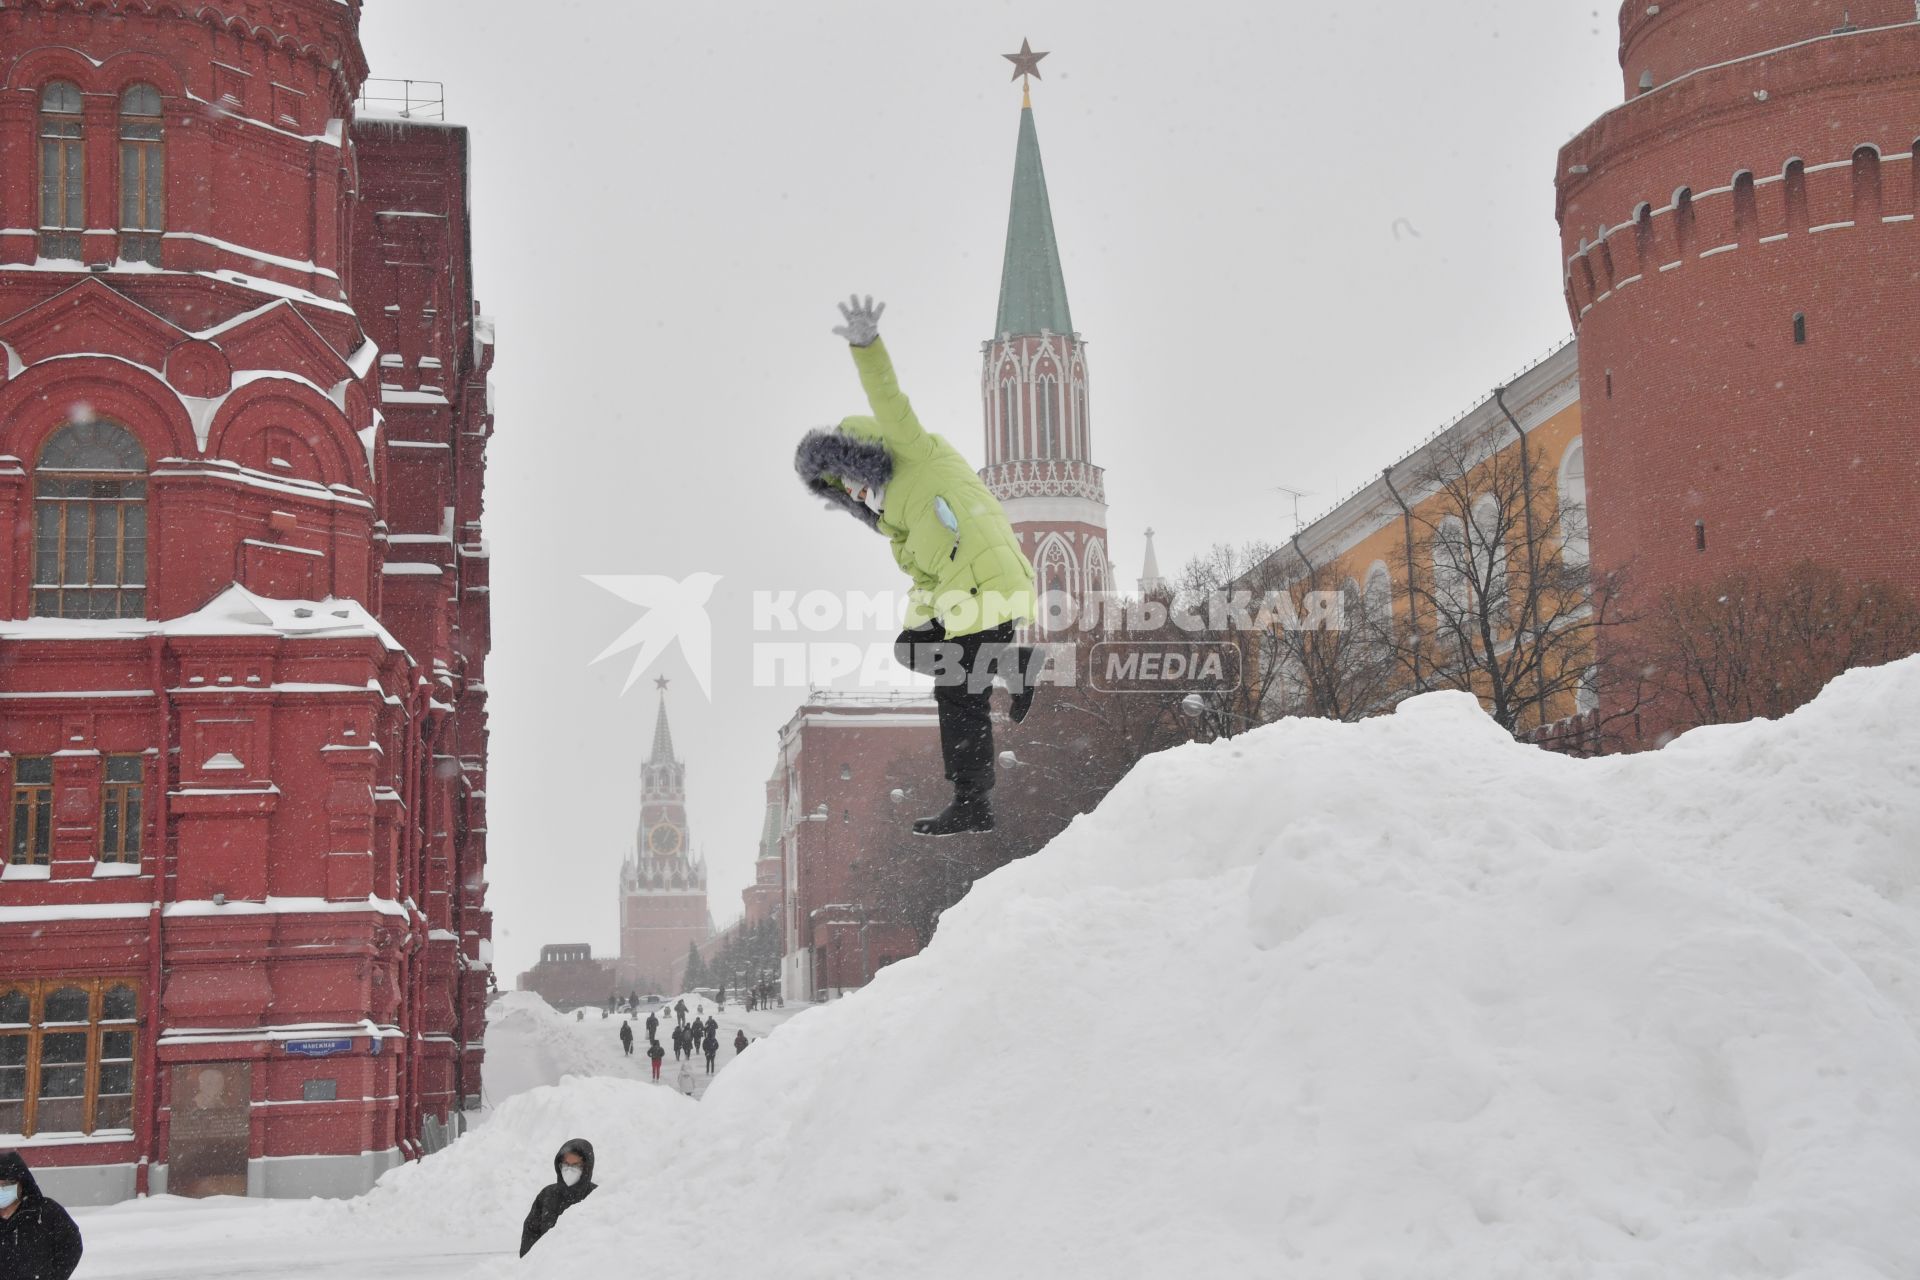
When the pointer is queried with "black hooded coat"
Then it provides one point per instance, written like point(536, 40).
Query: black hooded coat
point(40, 1240)
point(556, 1198)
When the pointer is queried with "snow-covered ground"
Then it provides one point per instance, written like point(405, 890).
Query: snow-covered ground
point(1395, 1001)
point(549, 1076)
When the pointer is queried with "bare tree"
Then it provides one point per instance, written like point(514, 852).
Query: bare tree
point(1751, 645)
point(1501, 603)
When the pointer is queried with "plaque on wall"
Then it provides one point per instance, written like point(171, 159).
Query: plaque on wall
point(208, 1129)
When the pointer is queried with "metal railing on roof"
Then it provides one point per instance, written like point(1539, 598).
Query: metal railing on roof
point(407, 99)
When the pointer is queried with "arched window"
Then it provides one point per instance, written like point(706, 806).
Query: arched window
point(63, 171)
point(1866, 185)
point(1377, 607)
point(1795, 181)
point(1746, 208)
point(1573, 504)
point(143, 175)
point(1490, 552)
point(1683, 222)
point(90, 524)
point(1451, 565)
point(1010, 418)
point(1045, 416)
point(1058, 608)
point(66, 1055)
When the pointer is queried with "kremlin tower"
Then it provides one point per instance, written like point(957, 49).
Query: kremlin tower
point(1034, 401)
point(663, 887)
point(1738, 241)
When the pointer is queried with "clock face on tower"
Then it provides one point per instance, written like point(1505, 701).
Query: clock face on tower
point(664, 839)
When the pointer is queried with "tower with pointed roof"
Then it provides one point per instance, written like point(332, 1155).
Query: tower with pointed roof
point(663, 886)
point(1035, 402)
point(1151, 583)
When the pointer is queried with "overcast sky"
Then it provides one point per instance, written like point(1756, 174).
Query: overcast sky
point(1297, 238)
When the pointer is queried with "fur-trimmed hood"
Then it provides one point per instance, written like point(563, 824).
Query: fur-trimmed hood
point(826, 457)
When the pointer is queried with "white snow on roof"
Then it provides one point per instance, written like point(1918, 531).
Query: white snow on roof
point(234, 612)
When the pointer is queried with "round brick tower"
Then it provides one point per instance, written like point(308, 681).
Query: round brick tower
point(1743, 272)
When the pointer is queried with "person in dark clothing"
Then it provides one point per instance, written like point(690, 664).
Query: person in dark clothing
point(626, 1037)
point(655, 1052)
point(680, 1011)
point(739, 1041)
point(713, 1026)
point(679, 1042)
point(712, 1047)
point(38, 1238)
point(572, 1183)
point(653, 1027)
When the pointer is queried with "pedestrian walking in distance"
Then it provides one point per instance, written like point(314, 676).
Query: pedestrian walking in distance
point(572, 1183)
point(680, 1011)
point(739, 1042)
point(712, 1047)
point(38, 1238)
point(655, 1052)
point(686, 1076)
point(653, 1027)
point(626, 1037)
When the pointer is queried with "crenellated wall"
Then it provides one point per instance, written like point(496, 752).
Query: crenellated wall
point(1739, 249)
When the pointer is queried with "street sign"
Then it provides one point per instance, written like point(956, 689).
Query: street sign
point(319, 1048)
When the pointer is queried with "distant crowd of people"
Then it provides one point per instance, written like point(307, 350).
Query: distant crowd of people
point(690, 1037)
point(764, 995)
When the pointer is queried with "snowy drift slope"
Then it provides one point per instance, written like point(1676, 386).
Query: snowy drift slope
point(1398, 999)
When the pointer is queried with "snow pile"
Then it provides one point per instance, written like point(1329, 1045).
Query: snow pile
point(480, 1189)
point(530, 1043)
point(1401, 999)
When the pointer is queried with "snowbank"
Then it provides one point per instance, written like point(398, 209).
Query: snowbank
point(1401, 999)
point(481, 1187)
point(530, 1044)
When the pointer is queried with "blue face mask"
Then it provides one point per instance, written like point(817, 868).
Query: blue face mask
point(9, 1193)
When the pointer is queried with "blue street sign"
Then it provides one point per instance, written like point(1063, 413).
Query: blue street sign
point(319, 1048)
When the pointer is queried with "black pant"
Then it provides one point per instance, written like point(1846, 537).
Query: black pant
point(963, 691)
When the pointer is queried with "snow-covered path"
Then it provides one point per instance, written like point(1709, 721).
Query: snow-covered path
point(231, 1238)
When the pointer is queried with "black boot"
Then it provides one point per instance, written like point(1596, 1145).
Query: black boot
point(971, 810)
point(1023, 690)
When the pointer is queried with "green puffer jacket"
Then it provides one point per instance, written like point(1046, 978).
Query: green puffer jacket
point(971, 577)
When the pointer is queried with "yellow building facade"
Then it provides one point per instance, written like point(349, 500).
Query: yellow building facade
point(1462, 565)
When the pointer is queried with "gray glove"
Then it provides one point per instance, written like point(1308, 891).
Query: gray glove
point(862, 320)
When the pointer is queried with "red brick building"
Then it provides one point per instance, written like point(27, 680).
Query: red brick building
point(1739, 243)
point(834, 754)
point(243, 606)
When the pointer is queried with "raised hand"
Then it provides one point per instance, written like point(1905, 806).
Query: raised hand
point(862, 320)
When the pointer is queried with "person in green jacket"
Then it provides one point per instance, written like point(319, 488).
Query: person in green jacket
point(972, 585)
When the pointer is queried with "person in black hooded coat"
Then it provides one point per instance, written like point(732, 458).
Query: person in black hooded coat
point(560, 1195)
point(38, 1238)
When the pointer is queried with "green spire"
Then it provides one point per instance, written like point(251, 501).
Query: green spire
point(1033, 293)
point(662, 735)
